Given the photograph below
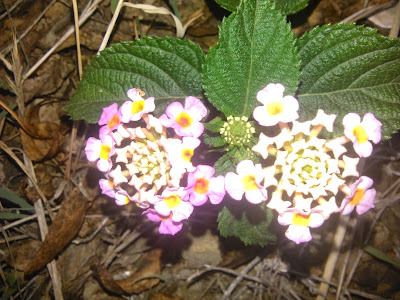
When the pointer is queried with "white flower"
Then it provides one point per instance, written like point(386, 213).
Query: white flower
point(360, 133)
point(247, 182)
point(276, 108)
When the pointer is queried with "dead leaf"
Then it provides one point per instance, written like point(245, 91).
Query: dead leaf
point(65, 226)
point(140, 281)
point(39, 149)
point(21, 253)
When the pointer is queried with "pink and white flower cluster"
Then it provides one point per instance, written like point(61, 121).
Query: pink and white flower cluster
point(309, 174)
point(144, 161)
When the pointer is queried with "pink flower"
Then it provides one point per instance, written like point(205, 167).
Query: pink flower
point(362, 197)
point(100, 150)
point(170, 202)
point(276, 108)
point(111, 118)
point(107, 187)
point(134, 110)
point(185, 120)
point(167, 226)
point(247, 182)
point(299, 231)
point(202, 185)
point(360, 133)
point(180, 153)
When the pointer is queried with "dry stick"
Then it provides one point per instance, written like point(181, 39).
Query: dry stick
point(21, 123)
point(75, 124)
point(87, 12)
point(52, 266)
point(394, 31)
point(353, 224)
point(231, 272)
point(10, 9)
point(8, 49)
point(238, 279)
point(368, 11)
point(111, 26)
point(334, 254)
point(21, 221)
point(31, 176)
point(361, 250)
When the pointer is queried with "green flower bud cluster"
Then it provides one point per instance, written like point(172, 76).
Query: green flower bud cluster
point(237, 131)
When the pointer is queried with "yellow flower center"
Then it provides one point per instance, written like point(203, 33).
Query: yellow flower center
point(184, 120)
point(301, 220)
point(201, 185)
point(114, 121)
point(359, 194)
point(360, 134)
point(137, 106)
point(249, 182)
point(274, 108)
point(172, 201)
point(187, 154)
point(105, 152)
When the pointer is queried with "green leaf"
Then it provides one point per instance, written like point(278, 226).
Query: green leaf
point(382, 256)
point(287, 7)
point(165, 68)
point(348, 68)
point(214, 141)
point(215, 124)
point(113, 6)
point(14, 198)
point(230, 5)
point(11, 216)
point(249, 222)
point(228, 162)
point(256, 47)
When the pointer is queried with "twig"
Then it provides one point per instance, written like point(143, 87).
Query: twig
point(368, 11)
point(30, 175)
point(334, 254)
point(361, 250)
point(88, 239)
point(111, 26)
point(9, 11)
point(234, 273)
point(52, 266)
point(87, 12)
point(394, 31)
point(21, 221)
point(8, 49)
point(235, 283)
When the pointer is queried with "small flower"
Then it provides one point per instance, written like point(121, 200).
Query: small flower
point(362, 197)
point(180, 153)
point(111, 118)
point(246, 182)
point(276, 108)
point(100, 150)
point(172, 203)
point(299, 231)
point(167, 226)
point(134, 110)
point(185, 120)
point(323, 119)
point(202, 185)
point(107, 187)
point(360, 133)
point(262, 146)
point(121, 198)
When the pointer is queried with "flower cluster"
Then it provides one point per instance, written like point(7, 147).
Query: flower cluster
point(144, 159)
point(309, 173)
